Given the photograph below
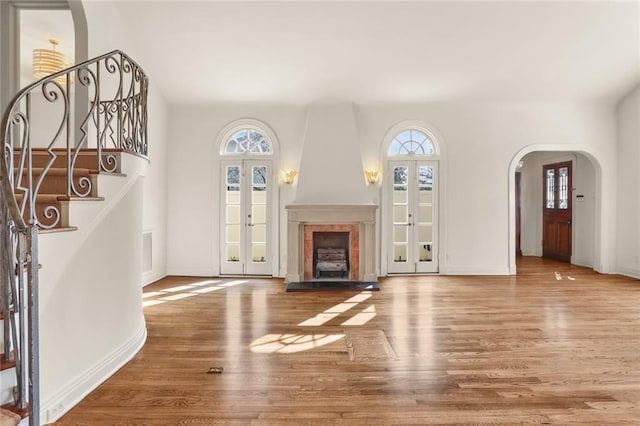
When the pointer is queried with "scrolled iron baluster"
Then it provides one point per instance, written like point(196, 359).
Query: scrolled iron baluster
point(21, 121)
point(50, 212)
point(87, 78)
point(52, 92)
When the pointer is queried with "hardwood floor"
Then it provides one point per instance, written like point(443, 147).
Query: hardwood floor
point(557, 344)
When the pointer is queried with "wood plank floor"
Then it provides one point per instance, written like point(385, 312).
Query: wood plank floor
point(557, 344)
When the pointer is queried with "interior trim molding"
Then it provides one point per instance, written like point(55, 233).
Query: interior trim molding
point(85, 383)
point(629, 272)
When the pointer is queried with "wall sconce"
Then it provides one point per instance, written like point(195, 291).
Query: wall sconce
point(373, 176)
point(288, 176)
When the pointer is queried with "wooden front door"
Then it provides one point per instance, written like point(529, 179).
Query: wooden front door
point(557, 211)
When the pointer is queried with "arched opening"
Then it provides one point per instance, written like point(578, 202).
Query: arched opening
point(248, 199)
point(411, 201)
point(555, 205)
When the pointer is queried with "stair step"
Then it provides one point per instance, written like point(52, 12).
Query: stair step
point(9, 418)
point(61, 203)
point(43, 201)
point(5, 365)
point(55, 180)
point(17, 413)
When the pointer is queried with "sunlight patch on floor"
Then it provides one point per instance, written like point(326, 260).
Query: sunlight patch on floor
point(184, 291)
point(363, 317)
point(340, 308)
point(292, 343)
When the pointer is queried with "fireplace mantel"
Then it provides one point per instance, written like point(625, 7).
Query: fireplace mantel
point(363, 215)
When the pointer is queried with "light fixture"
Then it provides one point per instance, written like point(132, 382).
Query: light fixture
point(372, 175)
point(520, 164)
point(49, 61)
point(288, 176)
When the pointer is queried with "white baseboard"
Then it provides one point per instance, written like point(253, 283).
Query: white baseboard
point(151, 277)
point(582, 262)
point(191, 272)
point(476, 270)
point(78, 389)
point(629, 272)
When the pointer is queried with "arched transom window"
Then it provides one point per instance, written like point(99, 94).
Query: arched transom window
point(412, 141)
point(247, 140)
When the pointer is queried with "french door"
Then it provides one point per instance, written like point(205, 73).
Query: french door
point(246, 244)
point(413, 219)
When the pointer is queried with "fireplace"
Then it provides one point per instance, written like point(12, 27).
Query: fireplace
point(335, 230)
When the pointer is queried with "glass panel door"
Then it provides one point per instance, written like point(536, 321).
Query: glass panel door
point(401, 256)
point(426, 215)
point(413, 217)
point(245, 218)
point(258, 219)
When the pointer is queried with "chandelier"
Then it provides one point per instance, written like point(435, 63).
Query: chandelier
point(49, 61)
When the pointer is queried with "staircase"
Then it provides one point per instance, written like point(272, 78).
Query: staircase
point(90, 123)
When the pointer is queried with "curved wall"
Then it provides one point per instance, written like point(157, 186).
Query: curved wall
point(91, 319)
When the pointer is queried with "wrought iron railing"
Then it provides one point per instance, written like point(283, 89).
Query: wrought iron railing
point(97, 107)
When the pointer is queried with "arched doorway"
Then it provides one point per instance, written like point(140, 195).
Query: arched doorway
point(411, 201)
point(247, 199)
point(555, 183)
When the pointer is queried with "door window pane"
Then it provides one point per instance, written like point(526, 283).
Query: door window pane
point(425, 195)
point(259, 234)
point(550, 189)
point(233, 175)
point(233, 234)
point(400, 234)
point(425, 176)
point(260, 175)
point(563, 188)
point(400, 176)
point(233, 195)
point(426, 254)
point(259, 213)
point(400, 253)
point(400, 195)
point(401, 214)
point(425, 234)
point(426, 214)
point(259, 253)
point(233, 213)
point(233, 252)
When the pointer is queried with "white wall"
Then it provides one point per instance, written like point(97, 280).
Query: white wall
point(91, 318)
point(106, 33)
point(628, 185)
point(479, 142)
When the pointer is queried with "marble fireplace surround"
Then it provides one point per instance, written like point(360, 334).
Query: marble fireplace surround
point(363, 216)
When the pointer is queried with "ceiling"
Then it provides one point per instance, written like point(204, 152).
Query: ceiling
point(386, 52)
